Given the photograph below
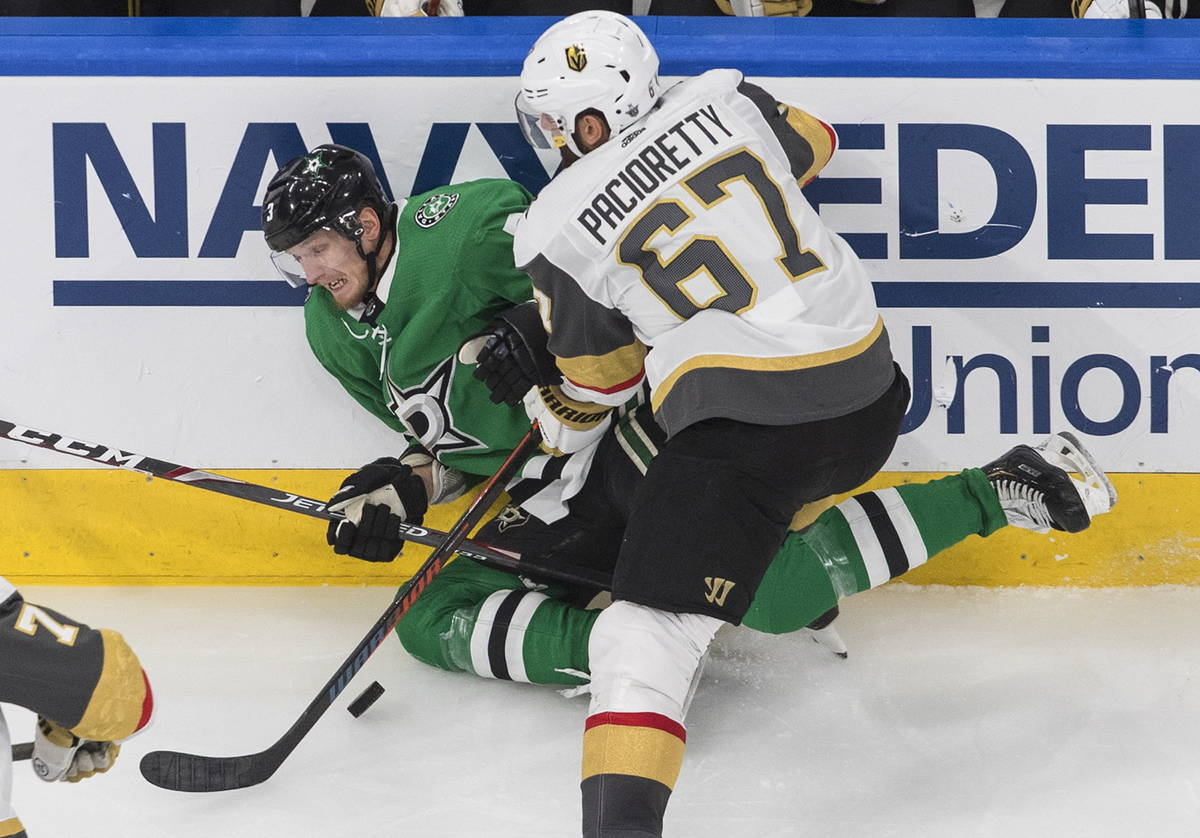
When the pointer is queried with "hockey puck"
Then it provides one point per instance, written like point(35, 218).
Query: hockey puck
point(360, 705)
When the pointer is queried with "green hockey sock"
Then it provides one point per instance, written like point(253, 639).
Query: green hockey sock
point(521, 635)
point(867, 540)
point(477, 619)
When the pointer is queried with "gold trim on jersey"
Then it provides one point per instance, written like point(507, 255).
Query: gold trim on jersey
point(810, 512)
point(815, 134)
point(777, 364)
point(634, 750)
point(116, 704)
point(11, 827)
point(608, 371)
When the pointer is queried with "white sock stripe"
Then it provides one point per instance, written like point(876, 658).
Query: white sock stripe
point(481, 632)
point(906, 527)
point(866, 540)
point(514, 643)
point(629, 452)
point(644, 437)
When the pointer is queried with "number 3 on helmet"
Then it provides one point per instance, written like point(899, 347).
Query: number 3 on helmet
point(597, 59)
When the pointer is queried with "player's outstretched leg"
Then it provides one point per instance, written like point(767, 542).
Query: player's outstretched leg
point(876, 536)
point(1036, 489)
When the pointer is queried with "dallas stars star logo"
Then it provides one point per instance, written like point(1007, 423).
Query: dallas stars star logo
point(425, 411)
point(315, 164)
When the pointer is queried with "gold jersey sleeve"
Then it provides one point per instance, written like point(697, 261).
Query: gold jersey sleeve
point(87, 680)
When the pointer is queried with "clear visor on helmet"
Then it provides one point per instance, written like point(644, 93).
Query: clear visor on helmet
point(540, 129)
point(289, 268)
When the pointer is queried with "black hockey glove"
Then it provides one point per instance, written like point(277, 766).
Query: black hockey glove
point(514, 358)
point(376, 500)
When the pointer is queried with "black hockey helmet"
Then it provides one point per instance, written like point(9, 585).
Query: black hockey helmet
point(323, 189)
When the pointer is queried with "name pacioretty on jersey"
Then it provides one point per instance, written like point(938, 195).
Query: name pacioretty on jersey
point(651, 167)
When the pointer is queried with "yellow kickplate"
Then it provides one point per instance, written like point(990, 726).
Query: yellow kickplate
point(99, 527)
point(86, 526)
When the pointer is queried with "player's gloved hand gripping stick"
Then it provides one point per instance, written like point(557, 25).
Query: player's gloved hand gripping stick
point(119, 458)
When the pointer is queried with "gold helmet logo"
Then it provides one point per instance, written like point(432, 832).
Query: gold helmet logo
point(576, 58)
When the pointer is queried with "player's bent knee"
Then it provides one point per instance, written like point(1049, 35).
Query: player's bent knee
point(644, 660)
point(459, 588)
point(418, 632)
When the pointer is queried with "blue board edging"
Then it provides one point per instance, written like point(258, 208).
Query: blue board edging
point(933, 295)
point(495, 46)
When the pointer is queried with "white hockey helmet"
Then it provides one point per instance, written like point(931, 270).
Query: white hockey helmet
point(594, 59)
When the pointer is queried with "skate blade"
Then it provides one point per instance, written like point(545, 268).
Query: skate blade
point(1064, 450)
point(829, 638)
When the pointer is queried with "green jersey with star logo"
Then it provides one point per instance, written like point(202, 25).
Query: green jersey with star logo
point(452, 273)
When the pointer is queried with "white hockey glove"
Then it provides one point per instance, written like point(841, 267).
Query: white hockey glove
point(1109, 9)
point(59, 754)
point(420, 8)
point(567, 425)
point(376, 500)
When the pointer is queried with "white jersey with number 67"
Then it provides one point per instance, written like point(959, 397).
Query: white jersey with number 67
point(683, 250)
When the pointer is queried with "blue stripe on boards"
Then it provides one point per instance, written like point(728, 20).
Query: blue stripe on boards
point(495, 46)
point(165, 292)
point(1125, 295)
point(935, 295)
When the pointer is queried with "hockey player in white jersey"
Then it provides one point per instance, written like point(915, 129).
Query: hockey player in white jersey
point(677, 248)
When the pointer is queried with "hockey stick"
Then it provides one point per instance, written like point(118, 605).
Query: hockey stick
point(270, 497)
point(190, 772)
point(22, 751)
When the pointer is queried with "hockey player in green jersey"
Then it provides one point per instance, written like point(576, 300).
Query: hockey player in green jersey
point(396, 288)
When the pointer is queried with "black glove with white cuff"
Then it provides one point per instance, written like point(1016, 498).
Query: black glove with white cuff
point(376, 500)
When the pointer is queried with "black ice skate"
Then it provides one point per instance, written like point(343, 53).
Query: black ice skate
point(1037, 491)
point(823, 633)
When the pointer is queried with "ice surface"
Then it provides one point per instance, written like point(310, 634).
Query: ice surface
point(960, 712)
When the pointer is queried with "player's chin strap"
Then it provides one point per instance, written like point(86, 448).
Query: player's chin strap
point(372, 302)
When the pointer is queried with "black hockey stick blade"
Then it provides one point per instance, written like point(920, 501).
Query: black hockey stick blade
point(191, 772)
point(22, 751)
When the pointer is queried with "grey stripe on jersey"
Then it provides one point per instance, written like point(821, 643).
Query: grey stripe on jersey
point(607, 330)
point(886, 534)
point(498, 636)
point(753, 395)
point(7, 589)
